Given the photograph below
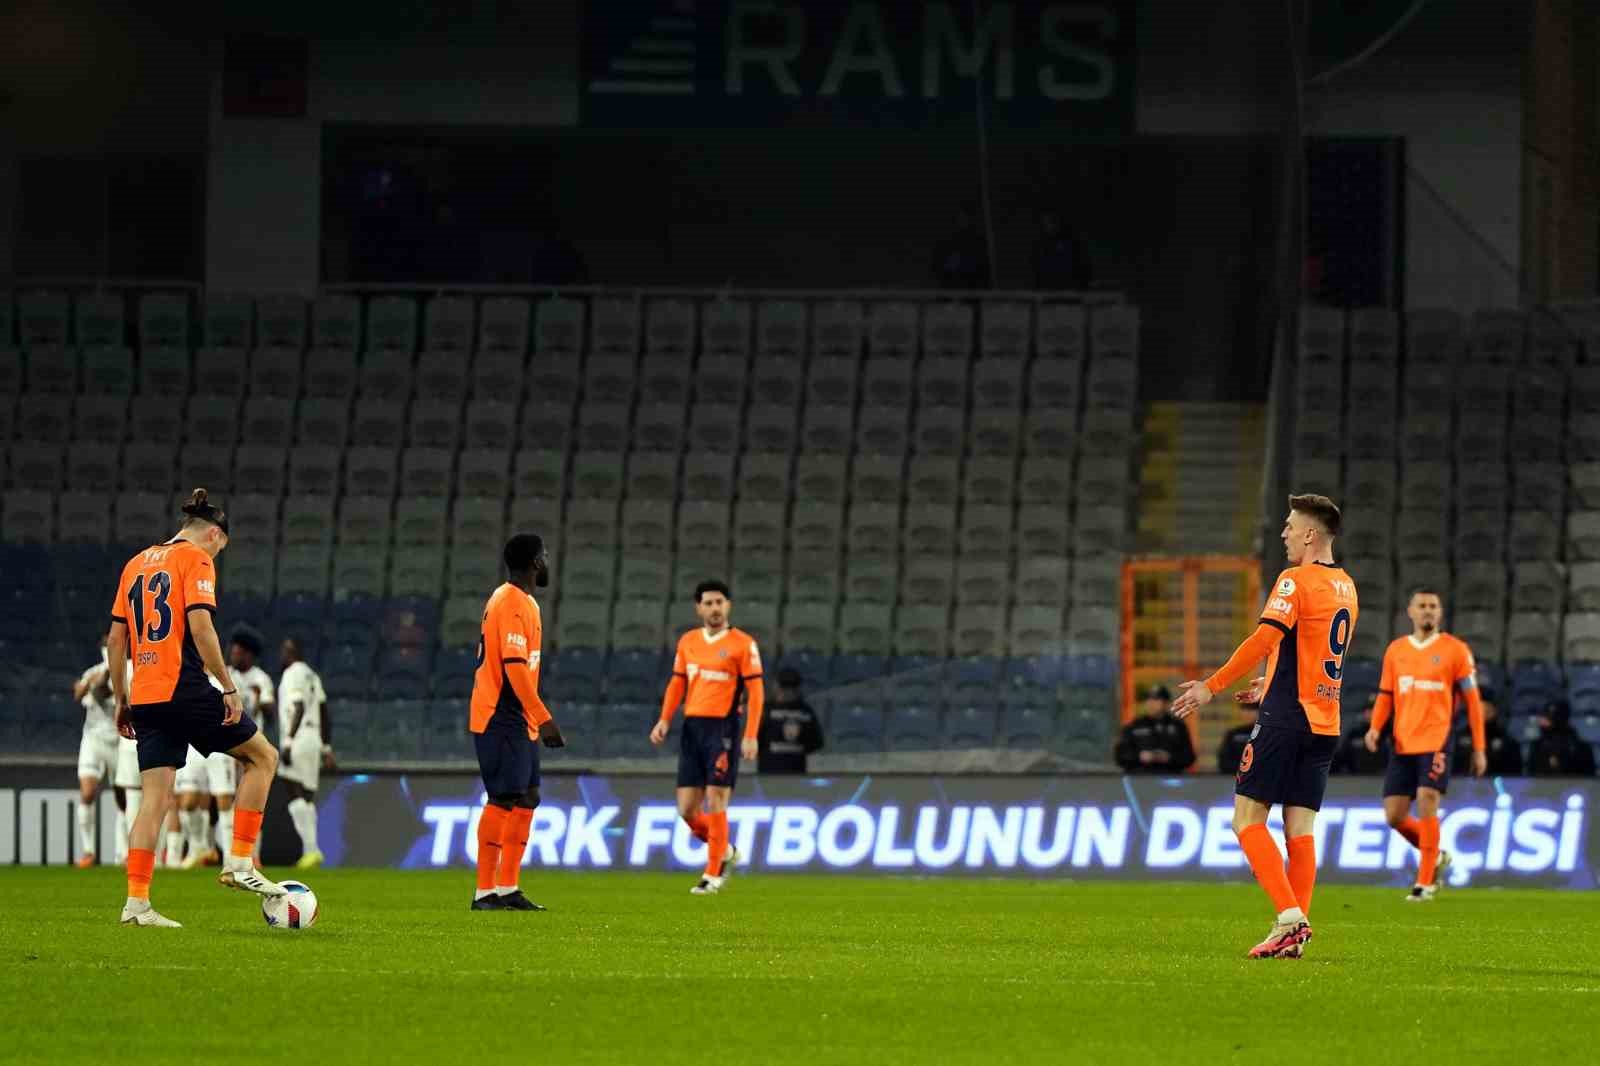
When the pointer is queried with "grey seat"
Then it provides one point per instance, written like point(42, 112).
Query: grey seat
point(771, 430)
point(651, 476)
point(759, 576)
point(1371, 488)
point(1054, 386)
point(1423, 436)
point(595, 523)
point(670, 326)
point(365, 521)
point(715, 428)
point(1060, 332)
point(721, 379)
point(813, 577)
point(614, 326)
point(150, 464)
point(1537, 585)
point(820, 477)
point(1093, 630)
point(986, 530)
point(1583, 586)
point(228, 320)
point(1371, 439)
point(558, 328)
point(886, 383)
point(1539, 392)
point(989, 480)
point(994, 433)
point(933, 479)
point(1583, 536)
point(1498, 335)
point(335, 321)
point(1425, 482)
point(1480, 537)
point(638, 624)
point(1583, 438)
point(377, 423)
point(929, 528)
point(1535, 440)
point(882, 431)
point(583, 624)
point(703, 524)
point(203, 464)
point(1321, 334)
point(1035, 631)
point(1580, 637)
point(370, 471)
point(547, 426)
point(1103, 480)
point(427, 471)
point(893, 329)
point(107, 368)
point(781, 329)
point(95, 470)
point(331, 373)
point(982, 582)
point(260, 468)
point(725, 327)
point(922, 630)
point(776, 380)
point(308, 520)
point(879, 478)
point(1482, 439)
point(386, 376)
point(831, 382)
point(498, 376)
point(646, 525)
point(1108, 433)
point(763, 478)
point(554, 379)
point(163, 370)
point(101, 419)
point(540, 472)
point(1043, 529)
point(1535, 535)
point(218, 371)
point(872, 529)
point(1043, 581)
point(392, 324)
point(947, 330)
point(870, 580)
point(27, 517)
point(1422, 533)
point(597, 475)
point(609, 379)
point(441, 377)
point(304, 569)
point(978, 631)
point(817, 525)
point(1427, 389)
point(1113, 383)
point(1434, 336)
point(1584, 482)
point(827, 429)
point(421, 520)
point(1372, 390)
point(484, 472)
point(603, 427)
point(927, 581)
point(1484, 632)
point(1097, 581)
point(939, 431)
point(276, 372)
point(942, 382)
point(759, 526)
point(1006, 330)
point(479, 522)
point(1480, 586)
point(658, 427)
point(997, 384)
point(1533, 637)
point(645, 577)
point(588, 575)
point(810, 627)
point(449, 325)
point(1044, 479)
point(1099, 530)
point(866, 629)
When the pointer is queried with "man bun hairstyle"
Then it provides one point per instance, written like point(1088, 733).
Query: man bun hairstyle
point(200, 509)
point(1324, 510)
point(712, 586)
point(521, 551)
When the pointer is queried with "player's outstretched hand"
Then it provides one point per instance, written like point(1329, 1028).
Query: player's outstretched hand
point(1480, 764)
point(747, 748)
point(1371, 739)
point(658, 733)
point(124, 721)
point(550, 734)
point(233, 709)
point(1250, 695)
point(1195, 696)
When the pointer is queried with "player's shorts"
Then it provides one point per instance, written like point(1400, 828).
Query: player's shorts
point(708, 753)
point(301, 760)
point(508, 762)
point(1407, 773)
point(1285, 766)
point(166, 731)
point(97, 755)
point(127, 763)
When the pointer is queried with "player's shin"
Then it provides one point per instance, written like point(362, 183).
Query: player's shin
point(1303, 870)
point(1429, 845)
point(1266, 861)
point(86, 814)
point(513, 845)
point(716, 843)
point(491, 830)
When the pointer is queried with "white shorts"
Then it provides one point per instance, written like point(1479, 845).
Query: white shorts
point(304, 763)
point(97, 755)
point(214, 774)
point(127, 763)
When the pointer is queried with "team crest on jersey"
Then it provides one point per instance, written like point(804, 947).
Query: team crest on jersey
point(1286, 587)
point(722, 654)
point(1436, 660)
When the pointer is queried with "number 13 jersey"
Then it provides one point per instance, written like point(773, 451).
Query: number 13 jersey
point(159, 587)
point(1315, 606)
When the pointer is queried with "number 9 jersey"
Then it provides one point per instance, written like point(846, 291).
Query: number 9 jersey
point(159, 587)
point(1315, 606)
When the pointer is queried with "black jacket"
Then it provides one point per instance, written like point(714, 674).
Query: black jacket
point(789, 732)
point(1560, 752)
point(1161, 732)
point(1231, 750)
point(1505, 754)
point(1352, 756)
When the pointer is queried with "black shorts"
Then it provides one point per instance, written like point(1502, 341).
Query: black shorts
point(166, 731)
point(1407, 773)
point(507, 761)
point(708, 754)
point(1285, 766)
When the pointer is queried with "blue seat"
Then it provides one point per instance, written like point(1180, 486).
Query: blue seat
point(815, 669)
point(1090, 671)
point(27, 566)
point(396, 729)
point(444, 731)
point(80, 565)
point(577, 675)
point(856, 728)
point(402, 673)
point(624, 731)
point(352, 724)
point(1493, 676)
point(1583, 689)
point(409, 620)
point(971, 727)
point(1533, 684)
point(974, 675)
point(642, 663)
point(453, 669)
point(1029, 727)
point(852, 669)
point(347, 672)
point(357, 609)
point(918, 678)
point(913, 727)
point(300, 615)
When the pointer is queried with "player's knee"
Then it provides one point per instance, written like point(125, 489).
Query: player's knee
point(1394, 817)
point(530, 798)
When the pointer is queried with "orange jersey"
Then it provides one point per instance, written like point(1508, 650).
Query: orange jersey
point(1422, 680)
point(715, 671)
point(1315, 607)
point(508, 652)
point(158, 589)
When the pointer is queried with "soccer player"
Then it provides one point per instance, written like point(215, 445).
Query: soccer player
point(307, 746)
point(1421, 675)
point(256, 691)
point(161, 620)
point(507, 720)
point(1305, 628)
point(97, 756)
point(714, 666)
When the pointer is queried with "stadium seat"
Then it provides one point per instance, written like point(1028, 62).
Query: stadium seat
point(1497, 336)
point(435, 424)
point(377, 423)
point(503, 325)
point(268, 420)
point(441, 376)
point(715, 428)
point(163, 319)
point(44, 419)
point(645, 578)
point(558, 326)
point(208, 466)
point(27, 517)
point(42, 317)
point(1054, 386)
point(869, 580)
point(978, 631)
point(814, 577)
point(720, 379)
point(856, 728)
point(1479, 586)
point(827, 429)
point(837, 328)
point(614, 326)
point(260, 468)
point(947, 330)
point(1061, 333)
point(1113, 384)
point(107, 369)
point(473, 569)
point(969, 727)
point(1093, 630)
point(303, 569)
point(933, 479)
point(886, 384)
point(484, 472)
point(942, 382)
point(776, 381)
point(1035, 631)
point(874, 478)
point(769, 430)
point(914, 727)
point(1538, 486)
point(52, 370)
point(479, 523)
point(417, 570)
point(324, 423)
point(1532, 637)
point(1583, 586)
point(1422, 534)
point(597, 475)
point(997, 384)
point(866, 629)
point(994, 433)
point(1534, 535)
point(817, 526)
point(449, 325)
point(365, 521)
point(370, 471)
point(705, 477)
point(541, 472)
point(595, 523)
point(703, 523)
point(808, 626)
point(335, 322)
point(638, 624)
point(497, 377)
point(986, 530)
point(1583, 536)
point(939, 431)
point(420, 520)
point(1006, 331)
point(1043, 529)
point(99, 319)
point(313, 468)
point(725, 328)
point(658, 427)
point(820, 477)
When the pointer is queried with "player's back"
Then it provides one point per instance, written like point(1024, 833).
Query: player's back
point(1316, 606)
point(1421, 677)
point(159, 587)
point(716, 669)
point(511, 632)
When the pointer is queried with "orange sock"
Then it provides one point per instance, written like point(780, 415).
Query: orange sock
point(716, 843)
point(1411, 829)
point(1267, 863)
point(1430, 850)
point(246, 827)
point(491, 829)
point(700, 826)
point(1303, 869)
point(513, 843)
point(141, 865)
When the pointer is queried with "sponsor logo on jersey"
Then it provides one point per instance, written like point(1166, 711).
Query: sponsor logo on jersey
point(517, 640)
point(1421, 684)
point(1279, 604)
point(205, 586)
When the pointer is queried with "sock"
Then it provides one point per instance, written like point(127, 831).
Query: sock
point(491, 827)
point(700, 826)
point(717, 844)
point(1267, 863)
point(224, 837)
point(513, 844)
point(198, 825)
point(1430, 849)
point(1303, 869)
point(86, 828)
point(1411, 829)
point(174, 847)
point(246, 827)
point(308, 828)
point(141, 865)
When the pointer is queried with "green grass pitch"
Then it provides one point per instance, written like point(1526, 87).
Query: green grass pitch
point(629, 968)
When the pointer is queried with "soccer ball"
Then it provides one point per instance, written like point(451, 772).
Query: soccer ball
point(297, 910)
